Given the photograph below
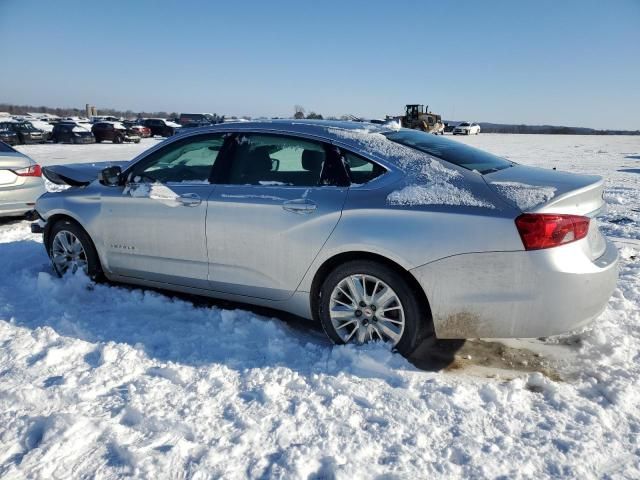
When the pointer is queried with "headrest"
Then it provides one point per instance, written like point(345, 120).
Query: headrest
point(312, 160)
point(260, 159)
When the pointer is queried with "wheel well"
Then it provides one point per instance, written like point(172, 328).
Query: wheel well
point(333, 262)
point(53, 219)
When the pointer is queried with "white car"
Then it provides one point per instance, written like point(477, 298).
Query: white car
point(21, 182)
point(466, 128)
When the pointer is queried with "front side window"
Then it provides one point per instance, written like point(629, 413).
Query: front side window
point(279, 160)
point(189, 160)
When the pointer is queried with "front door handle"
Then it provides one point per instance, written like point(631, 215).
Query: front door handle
point(300, 205)
point(190, 199)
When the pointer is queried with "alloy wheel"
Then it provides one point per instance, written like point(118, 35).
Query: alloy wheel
point(363, 308)
point(68, 254)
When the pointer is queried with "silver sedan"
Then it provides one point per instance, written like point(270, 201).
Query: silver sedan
point(20, 182)
point(378, 233)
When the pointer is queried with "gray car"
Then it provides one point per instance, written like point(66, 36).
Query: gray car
point(20, 182)
point(378, 233)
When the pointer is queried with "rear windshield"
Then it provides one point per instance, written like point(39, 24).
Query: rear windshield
point(4, 148)
point(449, 150)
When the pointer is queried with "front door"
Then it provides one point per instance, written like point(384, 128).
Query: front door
point(276, 204)
point(154, 226)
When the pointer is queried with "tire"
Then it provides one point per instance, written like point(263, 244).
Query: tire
point(93, 267)
point(98, 140)
point(417, 322)
point(118, 139)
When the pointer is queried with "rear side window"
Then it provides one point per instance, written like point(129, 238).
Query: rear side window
point(360, 170)
point(4, 148)
point(271, 160)
point(449, 150)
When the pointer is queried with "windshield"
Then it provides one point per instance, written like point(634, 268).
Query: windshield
point(449, 150)
point(464, 124)
point(26, 127)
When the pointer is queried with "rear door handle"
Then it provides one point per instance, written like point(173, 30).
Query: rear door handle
point(300, 205)
point(190, 199)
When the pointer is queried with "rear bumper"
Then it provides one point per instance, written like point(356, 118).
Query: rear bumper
point(518, 294)
point(19, 201)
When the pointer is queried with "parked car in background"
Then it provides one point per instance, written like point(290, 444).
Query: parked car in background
point(21, 182)
point(7, 134)
point(448, 127)
point(43, 125)
point(137, 128)
point(104, 118)
point(25, 132)
point(200, 118)
point(114, 132)
point(160, 126)
point(71, 132)
point(378, 233)
point(466, 128)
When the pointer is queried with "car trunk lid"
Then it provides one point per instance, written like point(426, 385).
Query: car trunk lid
point(538, 190)
point(9, 162)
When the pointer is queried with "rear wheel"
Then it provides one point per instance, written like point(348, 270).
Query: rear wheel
point(363, 301)
point(70, 250)
point(118, 139)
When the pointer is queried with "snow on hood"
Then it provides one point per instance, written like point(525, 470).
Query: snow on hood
point(428, 181)
point(172, 124)
point(525, 196)
point(80, 129)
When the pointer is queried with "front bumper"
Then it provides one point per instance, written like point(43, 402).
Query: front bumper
point(518, 294)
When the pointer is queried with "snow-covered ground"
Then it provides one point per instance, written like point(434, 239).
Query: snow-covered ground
point(105, 381)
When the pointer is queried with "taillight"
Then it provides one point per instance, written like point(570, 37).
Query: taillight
point(546, 230)
point(32, 171)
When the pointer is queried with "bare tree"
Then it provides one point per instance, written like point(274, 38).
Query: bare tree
point(299, 111)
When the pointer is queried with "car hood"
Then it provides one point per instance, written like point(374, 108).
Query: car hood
point(541, 190)
point(78, 174)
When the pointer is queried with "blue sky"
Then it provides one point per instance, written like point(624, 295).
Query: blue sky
point(555, 62)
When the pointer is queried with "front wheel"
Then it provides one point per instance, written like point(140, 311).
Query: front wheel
point(70, 250)
point(363, 301)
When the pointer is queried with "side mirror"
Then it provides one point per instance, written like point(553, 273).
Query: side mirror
point(110, 176)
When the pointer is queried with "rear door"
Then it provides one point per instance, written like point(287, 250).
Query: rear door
point(154, 226)
point(277, 201)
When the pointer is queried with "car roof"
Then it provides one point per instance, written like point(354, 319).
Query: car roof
point(326, 129)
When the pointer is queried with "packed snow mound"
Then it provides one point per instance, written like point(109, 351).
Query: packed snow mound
point(429, 182)
point(525, 196)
